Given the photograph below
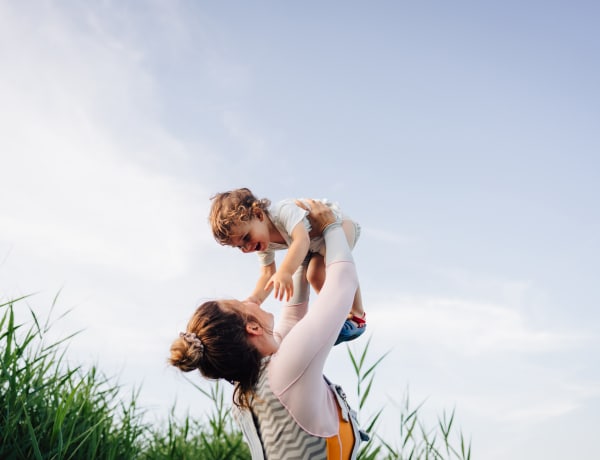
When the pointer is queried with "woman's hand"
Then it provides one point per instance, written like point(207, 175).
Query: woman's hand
point(319, 215)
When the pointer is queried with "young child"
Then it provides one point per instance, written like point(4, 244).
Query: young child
point(241, 220)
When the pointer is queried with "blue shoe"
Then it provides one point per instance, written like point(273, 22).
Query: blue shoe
point(353, 328)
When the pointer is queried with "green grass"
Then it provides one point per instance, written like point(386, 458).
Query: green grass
point(51, 410)
point(189, 439)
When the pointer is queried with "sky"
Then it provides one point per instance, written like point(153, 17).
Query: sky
point(462, 136)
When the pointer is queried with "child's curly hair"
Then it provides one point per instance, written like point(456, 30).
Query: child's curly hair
point(231, 208)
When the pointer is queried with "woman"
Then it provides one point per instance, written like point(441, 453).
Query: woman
point(285, 406)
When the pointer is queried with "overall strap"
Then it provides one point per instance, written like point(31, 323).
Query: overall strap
point(245, 421)
point(348, 414)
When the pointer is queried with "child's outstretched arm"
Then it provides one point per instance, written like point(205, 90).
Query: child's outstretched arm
point(260, 292)
point(282, 281)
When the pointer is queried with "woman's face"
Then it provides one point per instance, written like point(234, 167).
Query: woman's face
point(265, 318)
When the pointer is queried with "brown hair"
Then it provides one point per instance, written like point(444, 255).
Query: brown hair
point(225, 352)
point(230, 208)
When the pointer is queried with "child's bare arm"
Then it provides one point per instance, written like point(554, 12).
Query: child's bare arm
point(281, 281)
point(260, 292)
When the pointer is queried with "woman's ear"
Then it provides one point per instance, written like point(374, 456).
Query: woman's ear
point(253, 328)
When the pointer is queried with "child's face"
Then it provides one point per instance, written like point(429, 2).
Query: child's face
point(251, 236)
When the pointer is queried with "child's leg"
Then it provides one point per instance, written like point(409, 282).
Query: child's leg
point(316, 272)
point(357, 306)
point(352, 233)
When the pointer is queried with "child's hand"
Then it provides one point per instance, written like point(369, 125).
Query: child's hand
point(282, 284)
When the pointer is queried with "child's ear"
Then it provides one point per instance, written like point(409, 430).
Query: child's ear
point(259, 214)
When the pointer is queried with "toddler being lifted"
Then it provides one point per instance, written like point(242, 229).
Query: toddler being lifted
point(241, 220)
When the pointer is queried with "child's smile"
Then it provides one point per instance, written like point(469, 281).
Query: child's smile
point(251, 236)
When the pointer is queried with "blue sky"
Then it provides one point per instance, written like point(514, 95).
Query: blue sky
point(463, 137)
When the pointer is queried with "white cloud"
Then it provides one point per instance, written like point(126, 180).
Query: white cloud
point(463, 326)
point(82, 153)
point(541, 411)
point(107, 213)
